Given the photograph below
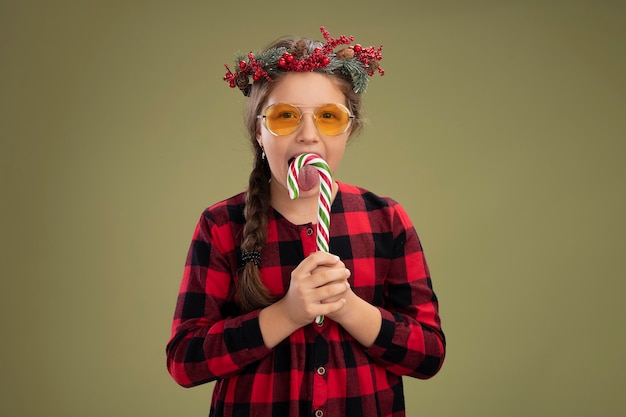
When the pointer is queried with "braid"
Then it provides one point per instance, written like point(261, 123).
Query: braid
point(252, 294)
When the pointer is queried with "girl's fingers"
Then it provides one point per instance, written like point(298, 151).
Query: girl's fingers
point(320, 268)
point(317, 259)
point(318, 286)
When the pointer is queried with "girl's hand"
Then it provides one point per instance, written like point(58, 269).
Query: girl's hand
point(317, 288)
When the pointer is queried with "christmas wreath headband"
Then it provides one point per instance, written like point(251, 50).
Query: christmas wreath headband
point(355, 61)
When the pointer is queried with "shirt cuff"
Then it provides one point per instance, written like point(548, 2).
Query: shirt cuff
point(242, 335)
point(385, 336)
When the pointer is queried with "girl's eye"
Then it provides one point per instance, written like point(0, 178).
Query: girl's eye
point(287, 115)
point(327, 115)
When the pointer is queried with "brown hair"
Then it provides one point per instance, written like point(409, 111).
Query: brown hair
point(251, 293)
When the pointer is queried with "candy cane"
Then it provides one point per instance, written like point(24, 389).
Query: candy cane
point(323, 202)
point(323, 209)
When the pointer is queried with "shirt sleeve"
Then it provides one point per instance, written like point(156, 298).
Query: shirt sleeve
point(207, 342)
point(411, 341)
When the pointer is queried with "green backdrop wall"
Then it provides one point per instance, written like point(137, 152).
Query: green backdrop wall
point(499, 125)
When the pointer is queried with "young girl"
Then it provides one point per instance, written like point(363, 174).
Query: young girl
point(283, 328)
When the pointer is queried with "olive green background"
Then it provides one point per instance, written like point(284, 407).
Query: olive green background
point(499, 125)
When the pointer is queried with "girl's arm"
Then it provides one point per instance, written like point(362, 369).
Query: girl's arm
point(404, 334)
point(208, 341)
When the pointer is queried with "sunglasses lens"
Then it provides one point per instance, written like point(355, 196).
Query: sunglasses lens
point(282, 119)
point(333, 119)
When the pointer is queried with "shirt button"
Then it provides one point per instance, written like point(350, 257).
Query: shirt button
point(319, 413)
point(321, 370)
point(309, 231)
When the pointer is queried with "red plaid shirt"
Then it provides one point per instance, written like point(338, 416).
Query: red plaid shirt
point(319, 370)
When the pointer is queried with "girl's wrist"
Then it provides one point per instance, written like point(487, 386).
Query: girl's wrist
point(276, 325)
point(359, 318)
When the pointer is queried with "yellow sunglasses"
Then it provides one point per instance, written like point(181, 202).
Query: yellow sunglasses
point(282, 119)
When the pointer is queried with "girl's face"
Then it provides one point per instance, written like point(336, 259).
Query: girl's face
point(307, 91)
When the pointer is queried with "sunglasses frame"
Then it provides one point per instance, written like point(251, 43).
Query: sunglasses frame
point(301, 114)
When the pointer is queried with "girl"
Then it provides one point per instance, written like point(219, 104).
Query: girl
point(254, 282)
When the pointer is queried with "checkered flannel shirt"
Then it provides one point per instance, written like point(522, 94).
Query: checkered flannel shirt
point(319, 370)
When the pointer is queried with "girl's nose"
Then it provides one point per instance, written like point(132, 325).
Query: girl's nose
point(308, 129)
